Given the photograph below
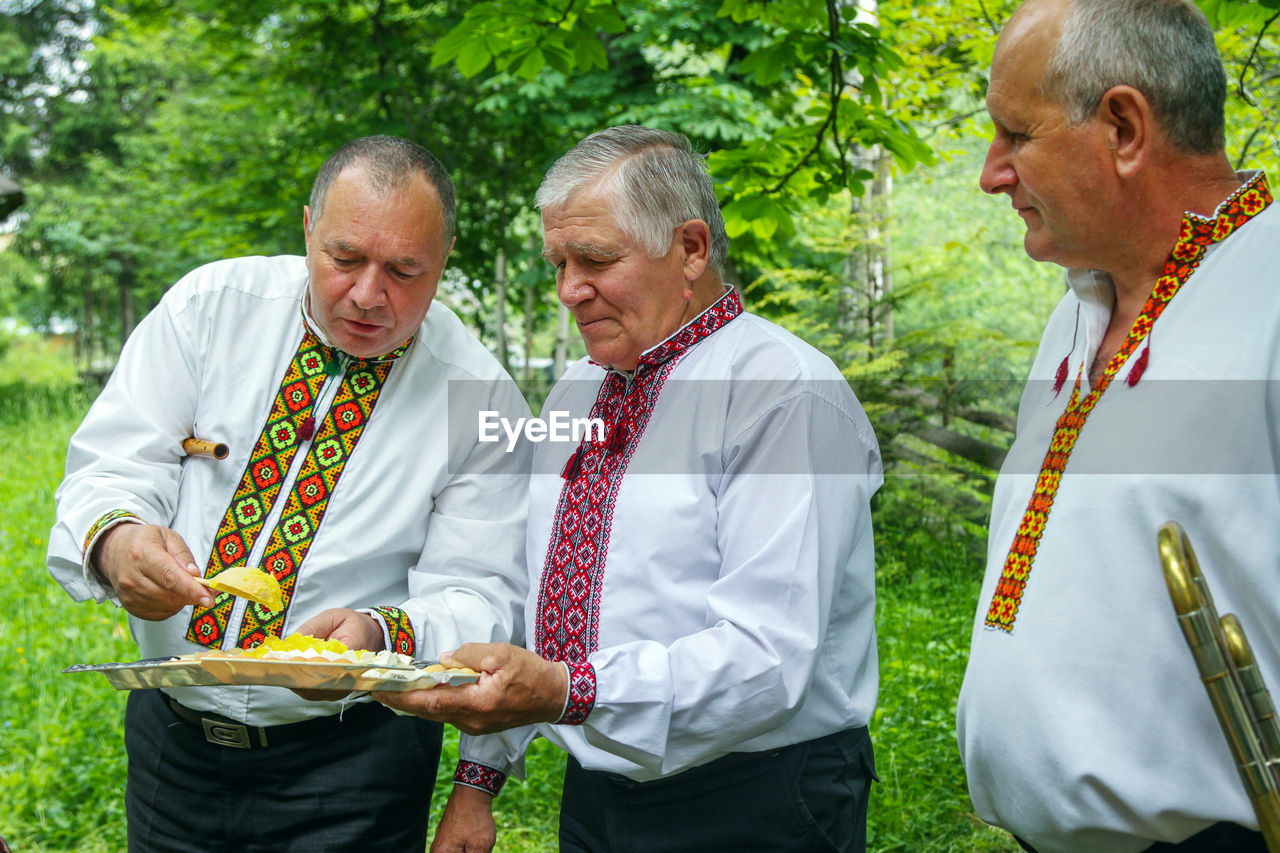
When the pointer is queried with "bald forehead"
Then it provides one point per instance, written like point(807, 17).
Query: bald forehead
point(1025, 45)
point(1035, 26)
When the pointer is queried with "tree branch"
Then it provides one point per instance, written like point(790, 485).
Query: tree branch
point(1244, 69)
point(835, 89)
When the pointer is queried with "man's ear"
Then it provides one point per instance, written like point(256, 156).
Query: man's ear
point(1130, 126)
point(695, 240)
point(306, 224)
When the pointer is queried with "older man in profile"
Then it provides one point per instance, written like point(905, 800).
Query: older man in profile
point(331, 378)
point(1082, 722)
point(700, 628)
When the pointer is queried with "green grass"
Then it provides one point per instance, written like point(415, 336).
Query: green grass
point(62, 763)
point(924, 620)
point(61, 754)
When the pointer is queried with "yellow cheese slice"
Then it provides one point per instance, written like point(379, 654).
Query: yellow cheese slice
point(251, 583)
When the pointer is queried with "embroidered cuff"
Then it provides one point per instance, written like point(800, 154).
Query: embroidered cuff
point(479, 776)
point(582, 694)
point(397, 629)
point(92, 575)
point(102, 525)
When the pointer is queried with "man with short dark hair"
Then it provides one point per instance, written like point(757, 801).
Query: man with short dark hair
point(1082, 722)
point(700, 625)
point(334, 387)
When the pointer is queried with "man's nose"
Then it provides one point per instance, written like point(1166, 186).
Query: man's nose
point(573, 285)
point(998, 174)
point(369, 289)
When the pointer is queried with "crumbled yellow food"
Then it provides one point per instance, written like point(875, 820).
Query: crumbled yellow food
point(251, 583)
point(296, 643)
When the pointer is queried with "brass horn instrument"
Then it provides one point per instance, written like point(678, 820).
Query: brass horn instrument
point(1239, 697)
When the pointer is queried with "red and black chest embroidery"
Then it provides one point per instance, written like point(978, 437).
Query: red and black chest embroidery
point(1197, 235)
point(290, 424)
point(568, 611)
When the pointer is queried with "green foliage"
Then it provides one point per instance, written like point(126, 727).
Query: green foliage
point(1249, 40)
point(797, 145)
point(524, 37)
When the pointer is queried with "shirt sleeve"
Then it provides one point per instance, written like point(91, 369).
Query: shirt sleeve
point(793, 530)
point(470, 584)
point(487, 761)
point(124, 462)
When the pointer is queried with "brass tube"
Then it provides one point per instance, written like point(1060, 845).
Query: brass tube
point(1239, 698)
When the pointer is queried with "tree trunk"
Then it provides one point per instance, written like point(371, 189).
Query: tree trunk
point(86, 329)
point(562, 340)
point(127, 319)
point(529, 317)
point(879, 258)
point(500, 311)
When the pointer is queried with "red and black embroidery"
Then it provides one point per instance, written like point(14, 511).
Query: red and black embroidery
point(568, 611)
point(260, 485)
point(479, 776)
point(582, 694)
point(1197, 234)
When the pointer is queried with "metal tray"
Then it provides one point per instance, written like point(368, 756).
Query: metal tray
point(213, 668)
point(152, 672)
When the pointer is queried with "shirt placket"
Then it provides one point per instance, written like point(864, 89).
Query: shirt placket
point(324, 399)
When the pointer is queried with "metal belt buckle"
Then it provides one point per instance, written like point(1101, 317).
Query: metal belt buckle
point(226, 734)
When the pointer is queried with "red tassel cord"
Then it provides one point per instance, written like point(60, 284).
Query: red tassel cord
point(617, 437)
point(1139, 366)
point(572, 464)
point(1060, 378)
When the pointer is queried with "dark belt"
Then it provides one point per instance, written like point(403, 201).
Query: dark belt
point(225, 731)
point(1223, 837)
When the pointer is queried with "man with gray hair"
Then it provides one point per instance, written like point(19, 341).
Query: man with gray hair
point(1082, 722)
point(329, 381)
point(700, 626)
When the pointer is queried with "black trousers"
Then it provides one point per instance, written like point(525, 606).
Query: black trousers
point(1220, 838)
point(808, 797)
point(363, 783)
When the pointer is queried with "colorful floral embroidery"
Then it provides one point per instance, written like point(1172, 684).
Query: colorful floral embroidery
point(1196, 235)
point(304, 509)
point(260, 485)
point(572, 575)
point(399, 628)
point(107, 520)
point(479, 776)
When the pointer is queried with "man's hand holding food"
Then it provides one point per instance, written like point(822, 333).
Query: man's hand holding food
point(151, 570)
point(516, 688)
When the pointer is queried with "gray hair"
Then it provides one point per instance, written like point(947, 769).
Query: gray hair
point(653, 180)
point(1162, 48)
point(389, 163)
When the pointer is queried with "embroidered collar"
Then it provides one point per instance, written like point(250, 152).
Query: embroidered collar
point(720, 312)
point(1196, 233)
point(1246, 202)
point(335, 355)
